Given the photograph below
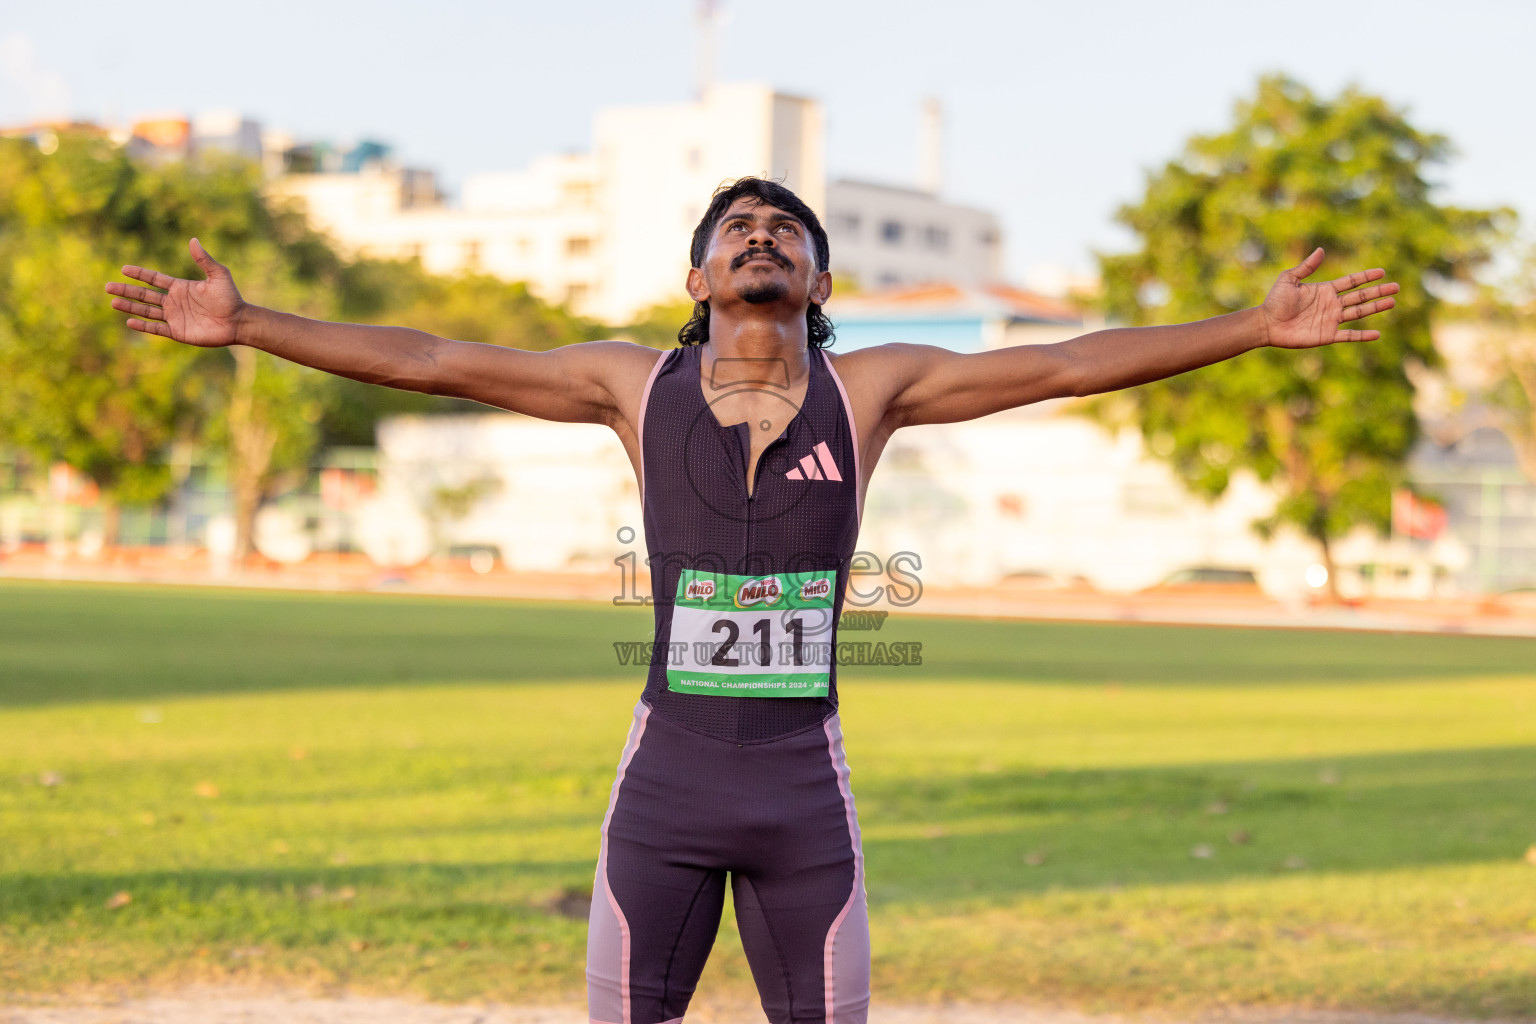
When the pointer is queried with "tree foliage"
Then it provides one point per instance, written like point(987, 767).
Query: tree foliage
point(1331, 428)
point(657, 326)
point(80, 387)
point(83, 389)
point(86, 390)
point(468, 307)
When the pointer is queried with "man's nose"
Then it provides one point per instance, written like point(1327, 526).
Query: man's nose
point(762, 238)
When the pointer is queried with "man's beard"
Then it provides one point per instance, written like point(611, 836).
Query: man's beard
point(761, 292)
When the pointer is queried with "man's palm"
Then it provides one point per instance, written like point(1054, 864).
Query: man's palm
point(1301, 315)
point(203, 313)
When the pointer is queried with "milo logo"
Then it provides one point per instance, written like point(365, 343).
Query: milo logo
point(812, 589)
point(700, 590)
point(764, 591)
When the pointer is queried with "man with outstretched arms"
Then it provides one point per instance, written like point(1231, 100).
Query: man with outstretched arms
point(753, 447)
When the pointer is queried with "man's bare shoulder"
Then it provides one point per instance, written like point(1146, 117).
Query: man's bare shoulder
point(616, 364)
point(892, 364)
point(616, 353)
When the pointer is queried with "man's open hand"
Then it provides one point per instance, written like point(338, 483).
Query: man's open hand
point(202, 313)
point(1301, 315)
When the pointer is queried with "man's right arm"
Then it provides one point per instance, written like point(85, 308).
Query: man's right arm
point(587, 383)
point(572, 384)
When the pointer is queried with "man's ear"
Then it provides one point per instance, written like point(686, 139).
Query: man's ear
point(698, 288)
point(821, 290)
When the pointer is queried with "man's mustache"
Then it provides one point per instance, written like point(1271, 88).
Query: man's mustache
point(773, 254)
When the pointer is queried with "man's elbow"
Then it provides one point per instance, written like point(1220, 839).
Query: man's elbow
point(1069, 378)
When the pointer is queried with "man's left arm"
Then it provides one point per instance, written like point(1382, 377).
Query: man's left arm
point(940, 386)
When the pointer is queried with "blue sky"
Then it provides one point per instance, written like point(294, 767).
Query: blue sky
point(1054, 110)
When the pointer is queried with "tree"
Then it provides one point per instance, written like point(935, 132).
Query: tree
point(269, 419)
point(79, 387)
point(83, 389)
point(1328, 429)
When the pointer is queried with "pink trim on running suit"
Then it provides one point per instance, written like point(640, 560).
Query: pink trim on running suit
point(840, 766)
point(642, 713)
point(645, 399)
point(853, 430)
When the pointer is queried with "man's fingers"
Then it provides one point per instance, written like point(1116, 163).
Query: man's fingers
point(1305, 268)
point(1349, 282)
point(148, 276)
point(1356, 335)
point(149, 327)
point(135, 292)
point(1375, 292)
point(142, 309)
point(1365, 309)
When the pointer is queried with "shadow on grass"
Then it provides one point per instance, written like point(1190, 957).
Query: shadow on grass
point(991, 837)
point(62, 643)
point(466, 896)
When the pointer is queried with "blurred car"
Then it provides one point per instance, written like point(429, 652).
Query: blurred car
point(1209, 579)
point(1030, 579)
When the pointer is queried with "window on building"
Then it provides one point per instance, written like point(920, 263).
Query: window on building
point(576, 247)
point(936, 237)
point(890, 232)
point(525, 246)
point(847, 224)
point(889, 280)
point(575, 294)
point(988, 237)
point(472, 253)
point(695, 158)
point(578, 192)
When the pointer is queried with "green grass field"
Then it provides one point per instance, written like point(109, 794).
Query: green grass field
point(399, 794)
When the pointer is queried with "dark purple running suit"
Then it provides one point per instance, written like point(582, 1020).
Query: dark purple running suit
point(713, 784)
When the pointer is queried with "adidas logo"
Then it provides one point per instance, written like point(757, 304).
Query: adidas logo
point(810, 469)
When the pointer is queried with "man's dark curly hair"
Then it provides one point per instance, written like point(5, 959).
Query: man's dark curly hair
point(818, 327)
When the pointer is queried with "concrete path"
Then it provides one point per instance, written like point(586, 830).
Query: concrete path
point(235, 1006)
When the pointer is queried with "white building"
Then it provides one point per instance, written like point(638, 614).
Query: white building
point(658, 166)
point(606, 232)
point(553, 495)
point(539, 226)
point(885, 236)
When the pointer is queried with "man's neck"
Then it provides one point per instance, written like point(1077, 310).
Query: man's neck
point(761, 341)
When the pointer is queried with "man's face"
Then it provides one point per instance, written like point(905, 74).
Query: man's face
point(759, 254)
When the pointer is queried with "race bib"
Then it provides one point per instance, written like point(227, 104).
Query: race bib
point(752, 636)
